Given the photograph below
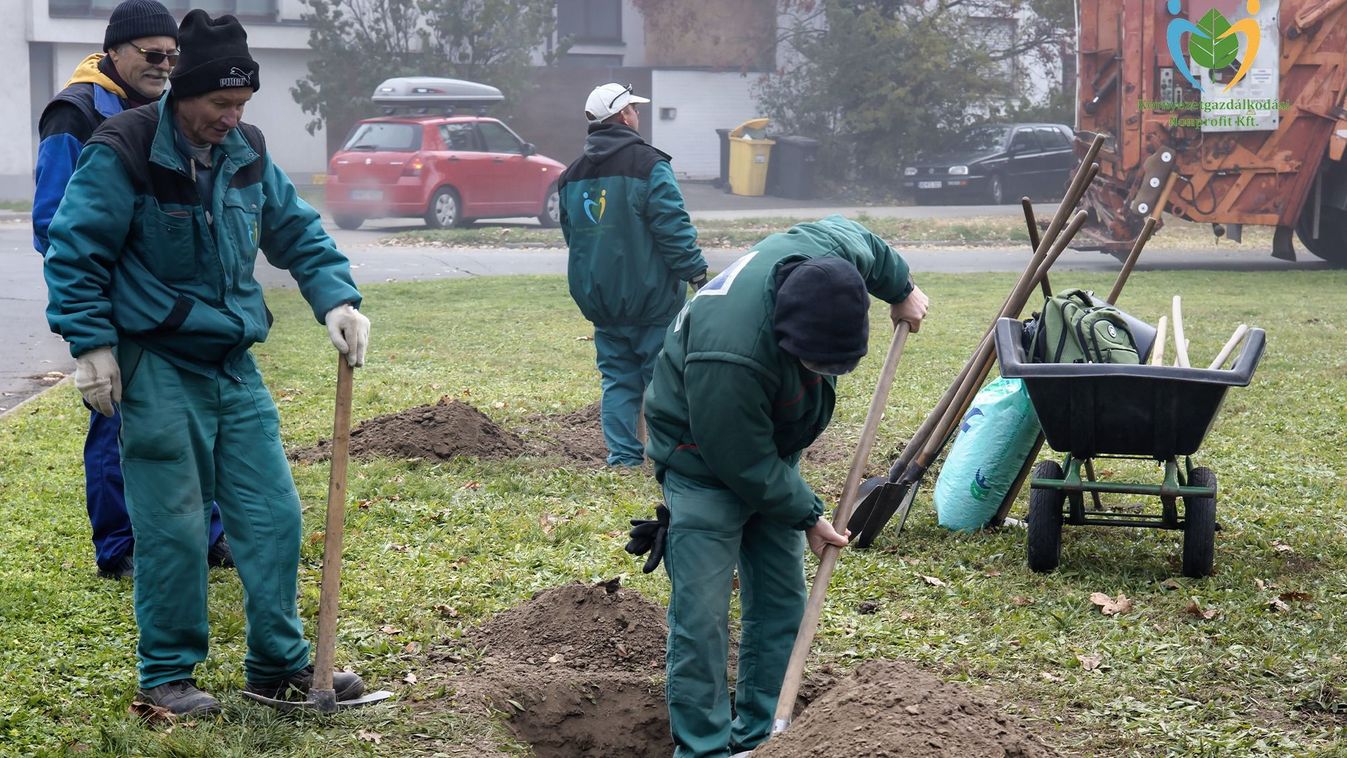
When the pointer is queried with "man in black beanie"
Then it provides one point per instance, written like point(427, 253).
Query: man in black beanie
point(745, 383)
point(140, 47)
point(150, 279)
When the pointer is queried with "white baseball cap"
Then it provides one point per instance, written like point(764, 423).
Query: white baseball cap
point(610, 98)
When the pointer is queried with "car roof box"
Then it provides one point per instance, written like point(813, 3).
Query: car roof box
point(428, 94)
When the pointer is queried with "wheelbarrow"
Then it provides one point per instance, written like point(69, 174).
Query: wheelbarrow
point(1136, 412)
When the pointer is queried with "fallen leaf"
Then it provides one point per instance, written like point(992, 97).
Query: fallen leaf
point(516, 705)
point(933, 581)
point(991, 573)
point(389, 629)
point(1111, 606)
point(369, 736)
point(1090, 662)
point(1294, 596)
point(410, 678)
point(622, 650)
point(498, 404)
point(1022, 601)
point(315, 537)
point(412, 648)
point(548, 522)
point(558, 658)
point(448, 611)
point(906, 616)
point(1277, 605)
point(1171, 584)
point(1260, 584)
point(586, 338)
point(1050, 677)
point(1282, 547)
point(1194, 609)
point(398, 548)
point(152, 714)
point(867, 608)
point(472, 486)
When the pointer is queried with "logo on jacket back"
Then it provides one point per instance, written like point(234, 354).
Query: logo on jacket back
point(601, 204)
point(237, 78)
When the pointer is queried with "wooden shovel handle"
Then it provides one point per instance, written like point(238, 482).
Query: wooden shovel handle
point(1180, 343)
point(1230, 344)
point(332, 537)
point(790, 686)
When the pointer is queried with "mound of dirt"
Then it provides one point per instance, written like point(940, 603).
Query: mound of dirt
point(430, 432)
point(599, 627)
point(576, 436)
point(890, 708)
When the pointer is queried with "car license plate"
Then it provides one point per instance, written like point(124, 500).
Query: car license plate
point(367, 195)
point(928, 185)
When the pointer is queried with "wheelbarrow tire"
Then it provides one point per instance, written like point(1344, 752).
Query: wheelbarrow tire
point(1044, 541)
point(1199, 526)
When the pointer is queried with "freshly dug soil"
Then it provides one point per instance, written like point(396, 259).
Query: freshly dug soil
point(430, 432)
point(576, 436)
point(888, 709)
point(599, 627)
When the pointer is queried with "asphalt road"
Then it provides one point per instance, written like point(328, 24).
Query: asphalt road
point(33, 351)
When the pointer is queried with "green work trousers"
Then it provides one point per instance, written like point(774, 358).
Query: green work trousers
point(187, 441)
point(711, 531)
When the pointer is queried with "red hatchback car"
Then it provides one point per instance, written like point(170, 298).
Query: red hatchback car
point(449, 170)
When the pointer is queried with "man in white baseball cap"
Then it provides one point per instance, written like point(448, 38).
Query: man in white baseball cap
point(632, 247)
point(611, 99)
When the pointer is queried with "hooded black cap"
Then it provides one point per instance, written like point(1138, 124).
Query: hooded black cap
point(822, 311)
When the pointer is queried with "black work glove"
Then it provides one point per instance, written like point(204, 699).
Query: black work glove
point(698, 281)
point(647, 536)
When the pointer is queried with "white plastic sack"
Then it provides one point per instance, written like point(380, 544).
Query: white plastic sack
point(996, 437)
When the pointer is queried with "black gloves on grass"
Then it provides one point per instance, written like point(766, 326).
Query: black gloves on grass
point(647, 536)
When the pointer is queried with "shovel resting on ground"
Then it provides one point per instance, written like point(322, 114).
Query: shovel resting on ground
point(322, 697)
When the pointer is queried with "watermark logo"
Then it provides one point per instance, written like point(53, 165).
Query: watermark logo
point(1213, 42)
point(591, 204)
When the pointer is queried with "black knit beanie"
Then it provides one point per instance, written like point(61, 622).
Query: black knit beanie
point(134, 19)
point(214, 56)
point(822, 311)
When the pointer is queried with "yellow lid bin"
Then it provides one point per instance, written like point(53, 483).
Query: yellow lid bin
point(750, 152)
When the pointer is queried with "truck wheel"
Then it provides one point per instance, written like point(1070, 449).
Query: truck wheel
point(443, 211)
point(1199, 526)
point(1331, 244)
point(348, 222)
point(1044, 541)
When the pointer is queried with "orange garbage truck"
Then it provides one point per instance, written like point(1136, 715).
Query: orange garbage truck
point(1239, 102)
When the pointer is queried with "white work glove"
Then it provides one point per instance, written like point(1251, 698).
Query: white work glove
point(99, 379)
point(349, 330)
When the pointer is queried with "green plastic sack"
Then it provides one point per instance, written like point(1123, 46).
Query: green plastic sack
point(996, 437)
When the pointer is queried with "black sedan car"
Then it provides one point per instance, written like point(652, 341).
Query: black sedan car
point(996, 163)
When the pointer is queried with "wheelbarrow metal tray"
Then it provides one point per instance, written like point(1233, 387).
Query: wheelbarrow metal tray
point(1091, 409)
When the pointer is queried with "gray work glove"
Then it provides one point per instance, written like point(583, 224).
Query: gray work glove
point(349, 330)
point(99, 379)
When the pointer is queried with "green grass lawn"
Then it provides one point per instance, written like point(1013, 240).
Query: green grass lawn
point(470, 535)
point(972, 230)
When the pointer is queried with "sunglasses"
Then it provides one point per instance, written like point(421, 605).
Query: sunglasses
point(155, 57)
point(625, 91)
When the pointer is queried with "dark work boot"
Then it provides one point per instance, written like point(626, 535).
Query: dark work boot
point(182, 698)
point(347, 686)
point(219, 555)
point(122, 568)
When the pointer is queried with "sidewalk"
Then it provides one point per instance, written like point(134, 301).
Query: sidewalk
point(707, 202)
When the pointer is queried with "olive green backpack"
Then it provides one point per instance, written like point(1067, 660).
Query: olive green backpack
point(1071, 328)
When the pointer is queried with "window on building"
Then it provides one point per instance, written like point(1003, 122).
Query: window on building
point(498, 139)
point(245, 9)
point(590, 60)
point(593, 21)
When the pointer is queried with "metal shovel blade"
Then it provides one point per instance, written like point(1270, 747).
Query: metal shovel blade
point(322, 701)
point(883, 502)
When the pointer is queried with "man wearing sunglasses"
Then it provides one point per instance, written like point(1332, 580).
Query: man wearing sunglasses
point(140, 48)
point(632, 247)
